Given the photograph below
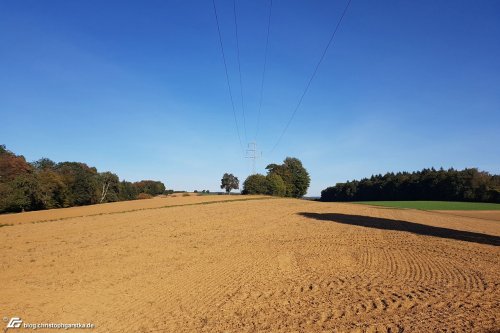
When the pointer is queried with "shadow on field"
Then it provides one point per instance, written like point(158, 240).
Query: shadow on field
point(398, 225)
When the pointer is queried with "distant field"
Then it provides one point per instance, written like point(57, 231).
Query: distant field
point(434, 205)
point(177, 199)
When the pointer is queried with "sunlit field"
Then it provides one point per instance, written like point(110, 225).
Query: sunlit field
point(260, 265)
point(435, 205)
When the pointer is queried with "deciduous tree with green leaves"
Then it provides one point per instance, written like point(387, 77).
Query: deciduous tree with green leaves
point(275, 185)
point(229, 182)
point(255, 184)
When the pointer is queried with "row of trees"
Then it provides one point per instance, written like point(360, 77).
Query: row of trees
point(428, 184)
point(289, 179)
point(45, 184)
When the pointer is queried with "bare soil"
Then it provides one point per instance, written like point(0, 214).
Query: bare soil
point(115, 207)
point(280, 265)
point(480, 214)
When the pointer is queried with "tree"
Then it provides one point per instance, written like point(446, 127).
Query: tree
point(275, 185)
point(109, 186)
point(229, 182)
point(44, 164)
point(52, 192)
point(12, 165)
point(82, 183)
point(150, 187)
point(299, 177)
point(23, 194)
point(255, 184)
point(294, 175)
point(127, 191)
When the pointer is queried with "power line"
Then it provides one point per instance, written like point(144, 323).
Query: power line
point(313, 75)
point(227, 76)
point(264, 69)
point(239, 70)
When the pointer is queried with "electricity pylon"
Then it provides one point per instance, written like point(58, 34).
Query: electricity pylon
point(253, 154)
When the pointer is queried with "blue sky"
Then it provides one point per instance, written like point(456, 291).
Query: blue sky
point(138, 88)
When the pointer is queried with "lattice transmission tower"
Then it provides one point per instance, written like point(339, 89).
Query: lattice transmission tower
point(253, 154)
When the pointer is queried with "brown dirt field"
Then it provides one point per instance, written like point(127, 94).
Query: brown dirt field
point(280, 265)
point(115, 207)
point(480, 214)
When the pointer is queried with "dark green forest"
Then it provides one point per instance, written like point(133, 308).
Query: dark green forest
point(45, 184)
point(428, 184)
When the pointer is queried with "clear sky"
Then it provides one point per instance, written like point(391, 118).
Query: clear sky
point(138, 88)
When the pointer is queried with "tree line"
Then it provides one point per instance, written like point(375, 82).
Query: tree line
point(45, 184)
point(469, 184)
point(289, 179)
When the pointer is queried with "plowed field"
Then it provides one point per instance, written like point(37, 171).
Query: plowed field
point(264, 265)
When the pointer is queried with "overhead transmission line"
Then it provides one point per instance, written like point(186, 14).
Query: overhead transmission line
point(313, 75)
point(227, 77)
point(239, 70)
point(264, 70)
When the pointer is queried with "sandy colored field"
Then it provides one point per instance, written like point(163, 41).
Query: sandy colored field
point(157, 202)
point(480, 214)
point(256, 266)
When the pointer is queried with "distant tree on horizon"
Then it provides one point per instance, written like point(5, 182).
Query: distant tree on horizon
point(229, 182)
point(151, 187)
